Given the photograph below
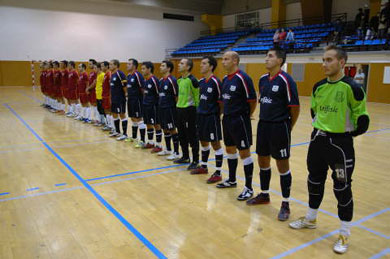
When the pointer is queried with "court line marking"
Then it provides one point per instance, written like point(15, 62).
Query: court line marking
point(60, 184)
point(126, 223)
point(4, 193)
point(381, 253)
point(32, 189)
point(314, 241)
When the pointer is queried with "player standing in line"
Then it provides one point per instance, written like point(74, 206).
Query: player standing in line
point(279, 111)
point(338, 108)
point(187, 102)
point(82, 86)
point(150, 107)
point(57, 87)
point(135, 84)
point(93, 112)
point(209, 118)
point(167, 106)
point(106, 98)
point(239, 103)
point(73, 77)
point(118, 93)
point(99, 95)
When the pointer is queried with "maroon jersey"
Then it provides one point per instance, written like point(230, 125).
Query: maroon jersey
point(42, 80)
point(73, 77)
point(82, 83)
point(49, 82)
point(106, 84)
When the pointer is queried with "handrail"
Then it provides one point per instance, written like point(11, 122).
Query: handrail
point(285, 23)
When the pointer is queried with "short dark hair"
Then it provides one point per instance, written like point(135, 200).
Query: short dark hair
point(105, 64)
point(190, 63)
point(65, 62)
point(93, 61)
point(83, 66)
point(72, 64)
point(56, 63)
point(50, 64)
point(279, 54)
point(116, 62)
point(98, 65)
point(149, 65)
point(135, 62)
point(212, 62)
point(340, 53)
point(169, 64)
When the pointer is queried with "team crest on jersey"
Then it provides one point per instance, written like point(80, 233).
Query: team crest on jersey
point(209, 90)
point(132, 80)
point(165, 87)
point(275, 88)
point(149, 86)
point(339, 97)
point(232, 88)
point(114, 79)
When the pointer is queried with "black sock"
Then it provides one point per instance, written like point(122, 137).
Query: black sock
point(218, 160)
point(158, 136)
point(175, 138)
point(124, 127)
point(134, 129)
point(150, 134)
point(205, 156)
point(232, 164)
point(265, 178)
point(167, 137)
point(116, 123)
point(285, 184)
point(142, 132)
point(248, 169)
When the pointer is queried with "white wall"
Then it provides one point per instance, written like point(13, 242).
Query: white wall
point(293, 11)
point(29, 34)
point(264, 15)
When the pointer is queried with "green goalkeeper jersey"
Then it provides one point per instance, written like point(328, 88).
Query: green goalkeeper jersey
point(337, 106)
point(188, 92)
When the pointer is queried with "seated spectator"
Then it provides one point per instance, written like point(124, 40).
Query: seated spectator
point(369, 34)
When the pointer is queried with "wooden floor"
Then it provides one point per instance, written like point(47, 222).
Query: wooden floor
point(68, 191)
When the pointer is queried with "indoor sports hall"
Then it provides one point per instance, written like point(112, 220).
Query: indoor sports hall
point(68, 190)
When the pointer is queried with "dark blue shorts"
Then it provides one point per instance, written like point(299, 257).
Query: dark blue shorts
point(209, 127)
point(118, 107)
point(237, 131)
point(151, 116)
point(168, 117)
point(274, 139)
point(134, 108)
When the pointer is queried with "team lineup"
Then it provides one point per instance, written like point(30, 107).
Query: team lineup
point(200, 114)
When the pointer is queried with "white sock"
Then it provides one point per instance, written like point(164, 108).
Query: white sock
point(345, 228)
point(88, 113)
point(311, 214)
point(97, 114)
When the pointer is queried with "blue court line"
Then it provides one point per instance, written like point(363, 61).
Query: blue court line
point(31, 97)
point(32, 189)
point(4, 193)
point(40, 194)
point(127, 224)
point(80, 187)
point(381, 253)
point(60, 184)
point(374, 232)
point(296, 249)
point(134, 172)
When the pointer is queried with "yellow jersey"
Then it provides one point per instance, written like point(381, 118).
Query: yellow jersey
point(99, 85)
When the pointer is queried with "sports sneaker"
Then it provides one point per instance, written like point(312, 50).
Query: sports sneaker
point(261, 198)
point(246, 194)
point(121, 137)
point(193, 165)
point(303, 223)
point(284, 212)
point(89, 121)
point(200, 170)
point(70, 115)
point(173, 156)
point(227, 184)
point(78, 117)
point(214, 178)
point(97, 124)
point(182, 160)
point(164, 153)
point(106, 128)
point(148, 145)
point(341, 245)
point(114, 134)
point(140, 144)
point(156, 150)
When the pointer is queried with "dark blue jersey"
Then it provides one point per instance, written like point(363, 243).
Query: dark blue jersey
point(117, 83)
point(237, 92)
point(135, 86)
point(210, 93)
point(277, 95)
point(168, 91)
point(151, 91)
